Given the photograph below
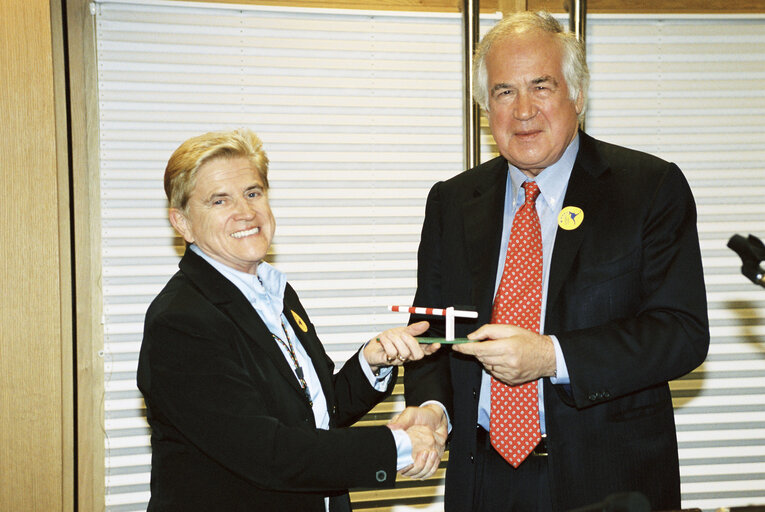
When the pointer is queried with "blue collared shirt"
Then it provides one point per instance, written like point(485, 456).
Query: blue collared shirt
point(553, 183)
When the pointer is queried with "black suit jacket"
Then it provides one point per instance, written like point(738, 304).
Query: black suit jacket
point(231, 428)
point(626, 299)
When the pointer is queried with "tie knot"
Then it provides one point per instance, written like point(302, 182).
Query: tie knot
point(532, 192)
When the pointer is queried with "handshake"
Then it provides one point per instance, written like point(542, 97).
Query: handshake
point(427, 429)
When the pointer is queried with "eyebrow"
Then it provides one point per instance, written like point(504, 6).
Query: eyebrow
point(545, 79)
point(254, 186)
point(215, 195)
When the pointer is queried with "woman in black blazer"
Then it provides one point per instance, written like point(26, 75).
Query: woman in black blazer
point(246, 411)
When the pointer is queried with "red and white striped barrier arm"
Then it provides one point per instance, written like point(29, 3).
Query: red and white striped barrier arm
point(433, 311)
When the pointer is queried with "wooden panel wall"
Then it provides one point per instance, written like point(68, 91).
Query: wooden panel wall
point(36, 401)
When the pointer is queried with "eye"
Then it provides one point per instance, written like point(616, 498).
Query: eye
point(217, 202)
point(502, 94)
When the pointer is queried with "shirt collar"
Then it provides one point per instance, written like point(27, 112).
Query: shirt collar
point(552, 181)
point(267, 286)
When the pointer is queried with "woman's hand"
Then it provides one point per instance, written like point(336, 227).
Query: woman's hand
point(396, 346)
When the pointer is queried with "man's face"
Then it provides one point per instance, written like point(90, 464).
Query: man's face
point(228, 215)
point(530, 113)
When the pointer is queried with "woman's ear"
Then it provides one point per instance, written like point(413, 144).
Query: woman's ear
point(181, 224)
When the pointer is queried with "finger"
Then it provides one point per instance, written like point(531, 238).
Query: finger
point(417, 328)
point(403, 349)
point(403, 420)
point(408, 346)
point(430, 348)
point(420, 463)
point(414, 469)
point(470, 349)
point(388, 347)
point(492, 332)
point(416, 351)
point(400, 346)
point(405, 471)
point(433, 463)
point(429, 467)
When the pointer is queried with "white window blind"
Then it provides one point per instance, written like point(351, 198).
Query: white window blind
point(360, 113)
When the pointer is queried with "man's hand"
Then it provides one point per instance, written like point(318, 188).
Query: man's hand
point(431, 415)
point(511, 354)
point(396, 346)
point(427, 450)
point(427, 428)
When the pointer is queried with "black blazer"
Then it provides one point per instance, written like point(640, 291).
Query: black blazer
point(626, 299)
point(231, 428)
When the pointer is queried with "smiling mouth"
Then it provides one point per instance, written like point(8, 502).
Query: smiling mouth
point(242, 234)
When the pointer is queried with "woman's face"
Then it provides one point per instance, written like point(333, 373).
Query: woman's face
point(228, 216)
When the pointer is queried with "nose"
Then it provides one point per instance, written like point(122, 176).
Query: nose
point(524, 108)
point(243, 209)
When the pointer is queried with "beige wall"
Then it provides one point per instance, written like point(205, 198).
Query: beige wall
point(36, 402)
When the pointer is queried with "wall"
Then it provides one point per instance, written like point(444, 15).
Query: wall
point(36, 400)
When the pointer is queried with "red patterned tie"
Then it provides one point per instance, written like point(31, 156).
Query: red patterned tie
point(515, 409)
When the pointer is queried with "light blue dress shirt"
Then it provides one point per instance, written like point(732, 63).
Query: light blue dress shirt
point(265, 291)
point(552, 182)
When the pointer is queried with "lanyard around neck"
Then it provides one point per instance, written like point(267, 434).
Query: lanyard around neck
point(298, 369)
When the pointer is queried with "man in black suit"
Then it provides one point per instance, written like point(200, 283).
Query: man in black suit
point(246, 411)
point(623, 307)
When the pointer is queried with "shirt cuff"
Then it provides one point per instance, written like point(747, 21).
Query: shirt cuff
point(561, 370)
point(381, 380)
point(403, 449)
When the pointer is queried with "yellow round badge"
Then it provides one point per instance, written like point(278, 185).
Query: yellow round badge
point(570, 217)
point(300, 321)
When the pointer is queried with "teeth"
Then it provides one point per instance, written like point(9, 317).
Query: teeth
point(242, 234)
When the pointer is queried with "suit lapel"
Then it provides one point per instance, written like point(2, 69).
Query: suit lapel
point(483, 214)
point(583, 192)
point(229, 300)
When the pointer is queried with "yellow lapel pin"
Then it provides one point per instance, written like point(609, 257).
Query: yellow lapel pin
point(300, 322)
point(570, 217)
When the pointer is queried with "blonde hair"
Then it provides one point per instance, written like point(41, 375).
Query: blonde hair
point(182, 168)
point(574, 59)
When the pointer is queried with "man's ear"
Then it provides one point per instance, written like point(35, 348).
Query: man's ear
point(579, 102)
point(181, 224)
